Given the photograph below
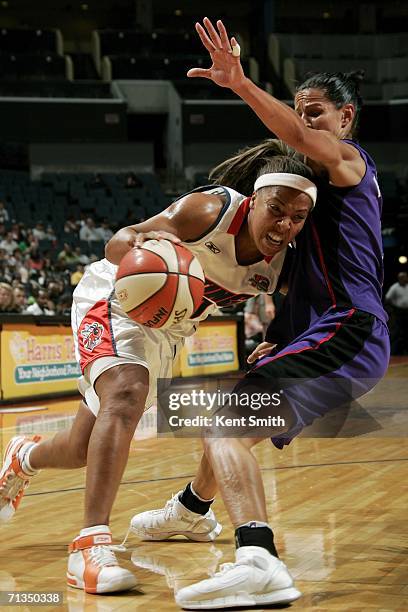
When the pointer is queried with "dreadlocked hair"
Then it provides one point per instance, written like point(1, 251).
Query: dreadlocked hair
point(241, 171)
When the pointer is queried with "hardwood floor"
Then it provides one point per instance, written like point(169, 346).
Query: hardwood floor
point(338, 508)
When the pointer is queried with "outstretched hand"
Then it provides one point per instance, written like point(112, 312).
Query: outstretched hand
point(226, 69)
point(261, 350)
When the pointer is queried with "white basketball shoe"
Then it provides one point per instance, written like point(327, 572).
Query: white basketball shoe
point(175, 519)
point(177, 568)
point(13, 480)
point(256, 578)
point(93, 566)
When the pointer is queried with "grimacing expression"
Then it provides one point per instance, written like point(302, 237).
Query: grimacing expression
point(277, 216)
point(319, 113)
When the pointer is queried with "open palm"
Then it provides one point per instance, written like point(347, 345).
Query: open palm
point(226, 69)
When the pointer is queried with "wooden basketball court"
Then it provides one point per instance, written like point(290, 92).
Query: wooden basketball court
point(338, 508)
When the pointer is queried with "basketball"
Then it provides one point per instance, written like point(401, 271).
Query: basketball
point(159, 284)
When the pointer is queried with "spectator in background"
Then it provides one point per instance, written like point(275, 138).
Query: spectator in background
point(77, 275)
point(259, 311)
point(20, 298)
point(64, 305)
point(132, 181)
point(89, 232)
point(30, 241)
point(39, 231)
point(66, 256)
point(18, 231)
point(397, 298)
point(97, 182)
point(50, 233)
point(8, 244)
point(35, 261)
point(55, 288)
point(105, 231)
point(70, 226)
point(6, 298)
point(41, 305)
point(4, 214)
point(3, 231)
point(80, 257)
point(16, 261)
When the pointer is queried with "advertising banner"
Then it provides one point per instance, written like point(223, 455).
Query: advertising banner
point(212, 350)
point(37, 360)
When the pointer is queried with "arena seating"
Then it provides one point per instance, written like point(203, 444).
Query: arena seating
point(58, 196)
point(384, 59)
point(41, 42)
point(50, 88)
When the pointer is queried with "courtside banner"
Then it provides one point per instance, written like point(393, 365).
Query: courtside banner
point(36, 360)
point(213, 349)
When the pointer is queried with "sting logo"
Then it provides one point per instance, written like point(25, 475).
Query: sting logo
point(92, 335)
point(259, 282)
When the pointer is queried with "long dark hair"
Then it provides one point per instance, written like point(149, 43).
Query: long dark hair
point(241, 171)
point(340, 88)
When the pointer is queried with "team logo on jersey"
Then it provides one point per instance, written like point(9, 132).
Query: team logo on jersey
point(92, 335)
point(259, 282)
point(213, 248)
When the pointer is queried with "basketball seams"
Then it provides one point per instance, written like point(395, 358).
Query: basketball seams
point(153, 254)
point(171, 302)
point(184, 258)
point(151, 297)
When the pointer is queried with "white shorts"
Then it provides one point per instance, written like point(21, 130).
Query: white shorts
point(106, 337)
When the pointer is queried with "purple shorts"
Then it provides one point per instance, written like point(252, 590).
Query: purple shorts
point(339, 358)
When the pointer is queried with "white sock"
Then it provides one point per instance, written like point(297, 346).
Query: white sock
point(95, 529)
point(197, 495)
point(24, 457)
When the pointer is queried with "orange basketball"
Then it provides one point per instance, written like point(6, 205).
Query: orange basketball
point(159, 284)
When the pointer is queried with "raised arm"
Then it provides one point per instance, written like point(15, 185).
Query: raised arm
point(341, 160)
point(186, 219)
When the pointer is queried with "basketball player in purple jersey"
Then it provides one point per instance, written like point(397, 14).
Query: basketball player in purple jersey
point(334, 306)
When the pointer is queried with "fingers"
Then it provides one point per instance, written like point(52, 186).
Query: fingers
point(224, 36)
point(214, 36)
point(257, 355)
point(159, 235)
point(236, 49)
point(204, 38)
point(199, 72)
point(168, 236)
point(138, 241)
point(261, 351)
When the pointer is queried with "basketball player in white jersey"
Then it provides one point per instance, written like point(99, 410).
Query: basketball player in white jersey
point(238, 241)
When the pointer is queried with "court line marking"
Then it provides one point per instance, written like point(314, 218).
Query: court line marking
point(167, 478)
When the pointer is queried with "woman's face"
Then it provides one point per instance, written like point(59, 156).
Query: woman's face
point(277, 215)
point(5, 296)
point(319, 113)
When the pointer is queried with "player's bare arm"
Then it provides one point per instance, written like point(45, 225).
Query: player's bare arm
point(186, 219)
point(341, 160)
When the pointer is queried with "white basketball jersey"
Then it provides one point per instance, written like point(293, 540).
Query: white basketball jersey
point(228, 282)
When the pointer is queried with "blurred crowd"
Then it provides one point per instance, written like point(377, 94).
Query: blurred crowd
point(38, 271)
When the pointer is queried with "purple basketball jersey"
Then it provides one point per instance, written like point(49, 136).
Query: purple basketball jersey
point(347, 256)
point(338, 260)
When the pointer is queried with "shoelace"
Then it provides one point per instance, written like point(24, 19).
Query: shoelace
point(12, 486)
point(103, 555)
point(225, 567)
point(168, 511)
point(169, 508)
